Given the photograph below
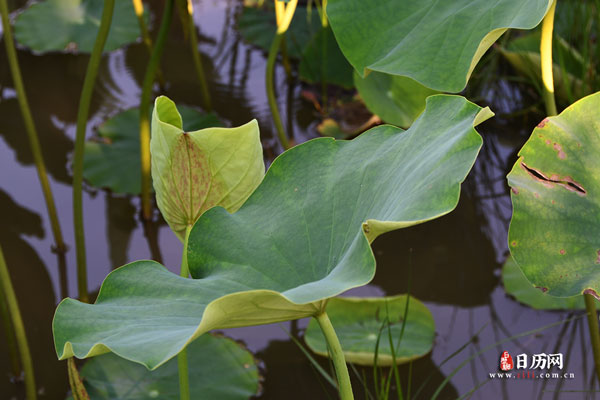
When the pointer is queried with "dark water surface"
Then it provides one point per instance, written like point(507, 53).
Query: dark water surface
point(455, 261)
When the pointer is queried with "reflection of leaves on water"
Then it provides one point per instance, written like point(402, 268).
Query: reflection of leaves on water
point(36, 298)
point(120, 224)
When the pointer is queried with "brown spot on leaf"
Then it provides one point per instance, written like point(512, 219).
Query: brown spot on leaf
point(598, 258)
point(548, 142)
point(515, 190)
point(536, 195)
point(591, 292)
point(543, 289)
point(561, 153)
point(562, 252)
point(542, 123)
point(566, 182)
point(513, 243)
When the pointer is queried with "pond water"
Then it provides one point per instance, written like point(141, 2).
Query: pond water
point(455, 261)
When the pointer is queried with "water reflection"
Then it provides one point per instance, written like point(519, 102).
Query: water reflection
point(36, 299)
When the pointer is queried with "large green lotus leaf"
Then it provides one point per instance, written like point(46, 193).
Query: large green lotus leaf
point(555, 227)
point(517, 285)
point(323, 60)
point(219, 368)
point(359, 322)
point(523, 53)
point(57, 25)
point(437, 43)
point(194, 171)
point(112, 160)
point(397, 100)
point(301, 238)
point(257, 26)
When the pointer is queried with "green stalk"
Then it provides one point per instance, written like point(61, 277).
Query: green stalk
point(546, 58)
point(335, 349)
point(271, 89)
point(19, 328)
point(77, 387)
point(82, 117)
point(324, 24)
point(182, 361)
point(32, 135)
point(138, 6)
point(592, 317)
point(145, 106)
point(139, 13)
point(9, 334)
point(197, 58)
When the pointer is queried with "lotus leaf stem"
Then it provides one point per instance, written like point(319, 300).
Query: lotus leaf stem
point(197, 58)
point(547, 64)
point(82, 116)
point(138, 7)
point(32, 135)
point(182, 360)
point(77, 387)
point(592, 317)
point(337, 355)
point(19, 328)
point(145, 106)
point(271, 90)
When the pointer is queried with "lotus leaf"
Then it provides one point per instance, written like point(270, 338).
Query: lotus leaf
point(323, 60)
point(301, 238)
point(554, 231)
point(220, 369)
point(397, 100)
point(257, 26)
point(523, 53)
point(517, 285)
point(57, 25)
point(194, 171)
point(437, 43)
point(361, 322)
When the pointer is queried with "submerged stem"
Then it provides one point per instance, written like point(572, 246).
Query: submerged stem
point(182, 361)
point(32, 135)
point(145, 107)
point(271, 90)
point(19, 328)
point(546, 57)
point(592, 317)
point(82, 116)
point(337, 356)
point(197, 58)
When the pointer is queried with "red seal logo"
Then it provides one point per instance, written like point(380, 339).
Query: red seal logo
point(506, 361)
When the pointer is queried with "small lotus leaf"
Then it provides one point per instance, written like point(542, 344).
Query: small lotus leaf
point(360, 322)
point(194, 171)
